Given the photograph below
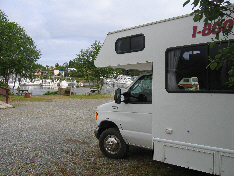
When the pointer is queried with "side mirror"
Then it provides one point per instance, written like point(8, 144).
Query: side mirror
point(117, 96)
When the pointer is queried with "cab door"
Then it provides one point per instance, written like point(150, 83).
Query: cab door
point(135, 114)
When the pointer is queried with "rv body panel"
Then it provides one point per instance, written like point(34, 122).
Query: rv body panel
point(196, 118)
point(193, 129)
point(158, 37)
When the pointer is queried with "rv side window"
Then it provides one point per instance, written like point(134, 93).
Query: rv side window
point(187, 71)
point(130, 44)
point(122, 45)
point(218, 78)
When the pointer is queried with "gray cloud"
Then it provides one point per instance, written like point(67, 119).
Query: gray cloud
point(62, 28)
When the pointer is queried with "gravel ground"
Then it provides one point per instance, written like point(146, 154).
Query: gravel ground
point(47, 137)
point(56, 138)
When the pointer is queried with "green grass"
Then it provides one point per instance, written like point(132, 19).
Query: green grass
point(33, 98)
point(94, 96)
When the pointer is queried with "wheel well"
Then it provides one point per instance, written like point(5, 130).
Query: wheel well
point(105, 125)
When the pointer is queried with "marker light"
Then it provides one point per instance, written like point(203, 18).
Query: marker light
point(96, 115)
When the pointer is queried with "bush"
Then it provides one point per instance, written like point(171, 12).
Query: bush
point(51, 93)
point(3, 84)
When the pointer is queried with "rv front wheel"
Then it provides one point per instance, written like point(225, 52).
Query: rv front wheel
point(112, 144)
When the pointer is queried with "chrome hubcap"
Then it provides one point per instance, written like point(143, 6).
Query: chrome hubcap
point(112, 144)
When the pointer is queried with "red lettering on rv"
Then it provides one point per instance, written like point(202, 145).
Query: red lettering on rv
point(206, 30)
point(227, 25)
point(216, 28)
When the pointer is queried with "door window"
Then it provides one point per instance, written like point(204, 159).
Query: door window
point(141, 90)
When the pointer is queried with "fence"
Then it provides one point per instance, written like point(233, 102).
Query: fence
point(4, 92)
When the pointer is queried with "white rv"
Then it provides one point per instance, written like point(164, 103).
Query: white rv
point(188, 127)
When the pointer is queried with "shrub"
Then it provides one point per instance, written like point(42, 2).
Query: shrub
point(3, 84)
point(51, 93)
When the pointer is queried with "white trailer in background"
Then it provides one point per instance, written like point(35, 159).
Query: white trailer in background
point(188, 127)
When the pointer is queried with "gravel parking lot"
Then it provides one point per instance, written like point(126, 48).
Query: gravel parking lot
point(56, 138)
point(47, 137)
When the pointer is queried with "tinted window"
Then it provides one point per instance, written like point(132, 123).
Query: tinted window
point(137, 43)
point(123, 45)
point(130, 44)
point(141, 90)
point(219, 78)
point(187, 69)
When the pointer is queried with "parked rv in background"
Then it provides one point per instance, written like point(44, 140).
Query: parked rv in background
point(180, 109)
point(189, 83)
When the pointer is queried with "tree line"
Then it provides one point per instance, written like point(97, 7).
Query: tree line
point(19, 54)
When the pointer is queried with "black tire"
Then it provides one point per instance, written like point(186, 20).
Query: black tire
point(112, 144)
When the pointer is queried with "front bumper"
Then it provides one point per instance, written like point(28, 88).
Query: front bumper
point(96, 132)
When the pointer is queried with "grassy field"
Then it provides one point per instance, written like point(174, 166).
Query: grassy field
point(33, 98)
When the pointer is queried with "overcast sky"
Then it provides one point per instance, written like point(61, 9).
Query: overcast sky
point(61, 28)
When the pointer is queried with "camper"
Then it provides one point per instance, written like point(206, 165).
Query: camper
point(185, 124)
